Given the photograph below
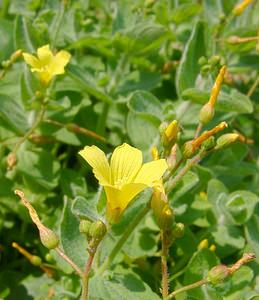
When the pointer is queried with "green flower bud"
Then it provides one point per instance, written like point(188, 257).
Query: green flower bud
point(214, 60)
point(208, 144)
point(205, 69)
point(206, 113)
point(97, 230)
point(188, 150)
point(178, 230)
point(218, 274)
point(84, 226)
point(36, 260)
point(6, 64)
point(48, 257)
point(48, 238)
point(202, 60)
point(226, 139)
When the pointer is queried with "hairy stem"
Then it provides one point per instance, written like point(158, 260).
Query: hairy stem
point(85, 280)
point(164, 254)
point(187, 287)
point(123, 239)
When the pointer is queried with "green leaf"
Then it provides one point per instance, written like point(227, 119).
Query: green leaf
point(233, 102)
point(189, 69)
point(87, 83)
point(251, 233)
point(6, 39)
point(13, 114)
point(23, 35)
point(73, 243)
point(240, 205)
point(184, 12)
point(146, 105)
point(120, 287)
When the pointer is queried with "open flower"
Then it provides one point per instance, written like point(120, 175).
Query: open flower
point(124, 177)
point(47, 64)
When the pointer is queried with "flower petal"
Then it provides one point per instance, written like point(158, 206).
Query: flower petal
point(151, 172)
point(125, 163)
point(119, 199)
point(45, 55)
point(59, 61)
point(98, 161)
point(31, 60)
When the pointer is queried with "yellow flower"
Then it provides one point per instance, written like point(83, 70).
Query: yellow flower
point(47, 65)
point(124, 177)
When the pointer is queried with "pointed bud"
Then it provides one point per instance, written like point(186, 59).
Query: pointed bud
point(11, 160)
point(214, 60)
point(206, 113)
point(97, 230)
point(172, 157)
point(171, 132)
point(202, 60)
point(203, 244)
point(16, 55)
point(188, 149)
point(48, 238)
point(218, 274)
point(208, 144)
point(36, 260)
point(212, 248)
point(84, 226)
point(178, 230)
point(226, 139)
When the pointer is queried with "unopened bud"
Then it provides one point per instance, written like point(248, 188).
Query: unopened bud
point(16, 54)
point(188, 149)
point(154, 152)
point(208, 144)
point(233, 39)
point(202, 60)
point(171, 132)
point(6, 64)
point(84, 226)
point(218, 274)
point(205, 69)
point(214, 60)
point(11, 160)
point(36, 260)
point(97, 230)
point(172, 158)
point(212, 248)
point(206, 113)
point(48, 257)
point(48, 238)
point(178, 230)
point(203, 244)
point(226, 139)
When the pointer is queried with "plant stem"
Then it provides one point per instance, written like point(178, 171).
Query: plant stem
point(164, 254)
point(187, 287)
point(190, 163)
point(123, 239)
point(86, 275)
point(69, 261)
point(253, 87)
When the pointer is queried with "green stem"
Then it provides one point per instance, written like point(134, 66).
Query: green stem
point(85, 280)
point(123, 239)
point(188, 287)
point(164, 254)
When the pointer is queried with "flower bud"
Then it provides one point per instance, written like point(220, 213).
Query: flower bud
point(188, 149)
point(226, 139)
point(218, 274)
point(154, 152)
point(36, 260)
point(48, 257)
point(208, 144)
point(206, 113)
point(84, 226)
point(178, 230)
point(203, 244)
point(6, 64)
point(171, 132)
point(202, 60)
point(205, 69)
point(11, 160)
point(212, 248)
point(214, 60)
point(48, 238)
point(97, 230)
point(16, 54)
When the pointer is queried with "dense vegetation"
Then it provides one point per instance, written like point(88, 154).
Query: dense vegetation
point(146, 73)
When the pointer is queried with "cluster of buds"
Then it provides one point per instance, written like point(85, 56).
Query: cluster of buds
point(207, 111)
point(210, 64)
point(48, 237)
point(169, 135)
point(204, 244)
point(94, 232)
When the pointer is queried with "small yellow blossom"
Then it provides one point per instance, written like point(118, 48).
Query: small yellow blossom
point(47, 64)
point(124, 177)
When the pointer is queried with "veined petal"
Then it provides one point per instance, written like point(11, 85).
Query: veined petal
point(119, 199)
point(31, 60)
point(45, 55)
point(151, 172)
point(59, 61)
point(125, 163)
point(98, 161)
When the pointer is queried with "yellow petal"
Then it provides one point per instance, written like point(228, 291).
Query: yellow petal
point(119, 199)
point(45, 55)
point(59, 61)
point(98, 161)
point(31, 60)
point(125, 163)
point(151, 172)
